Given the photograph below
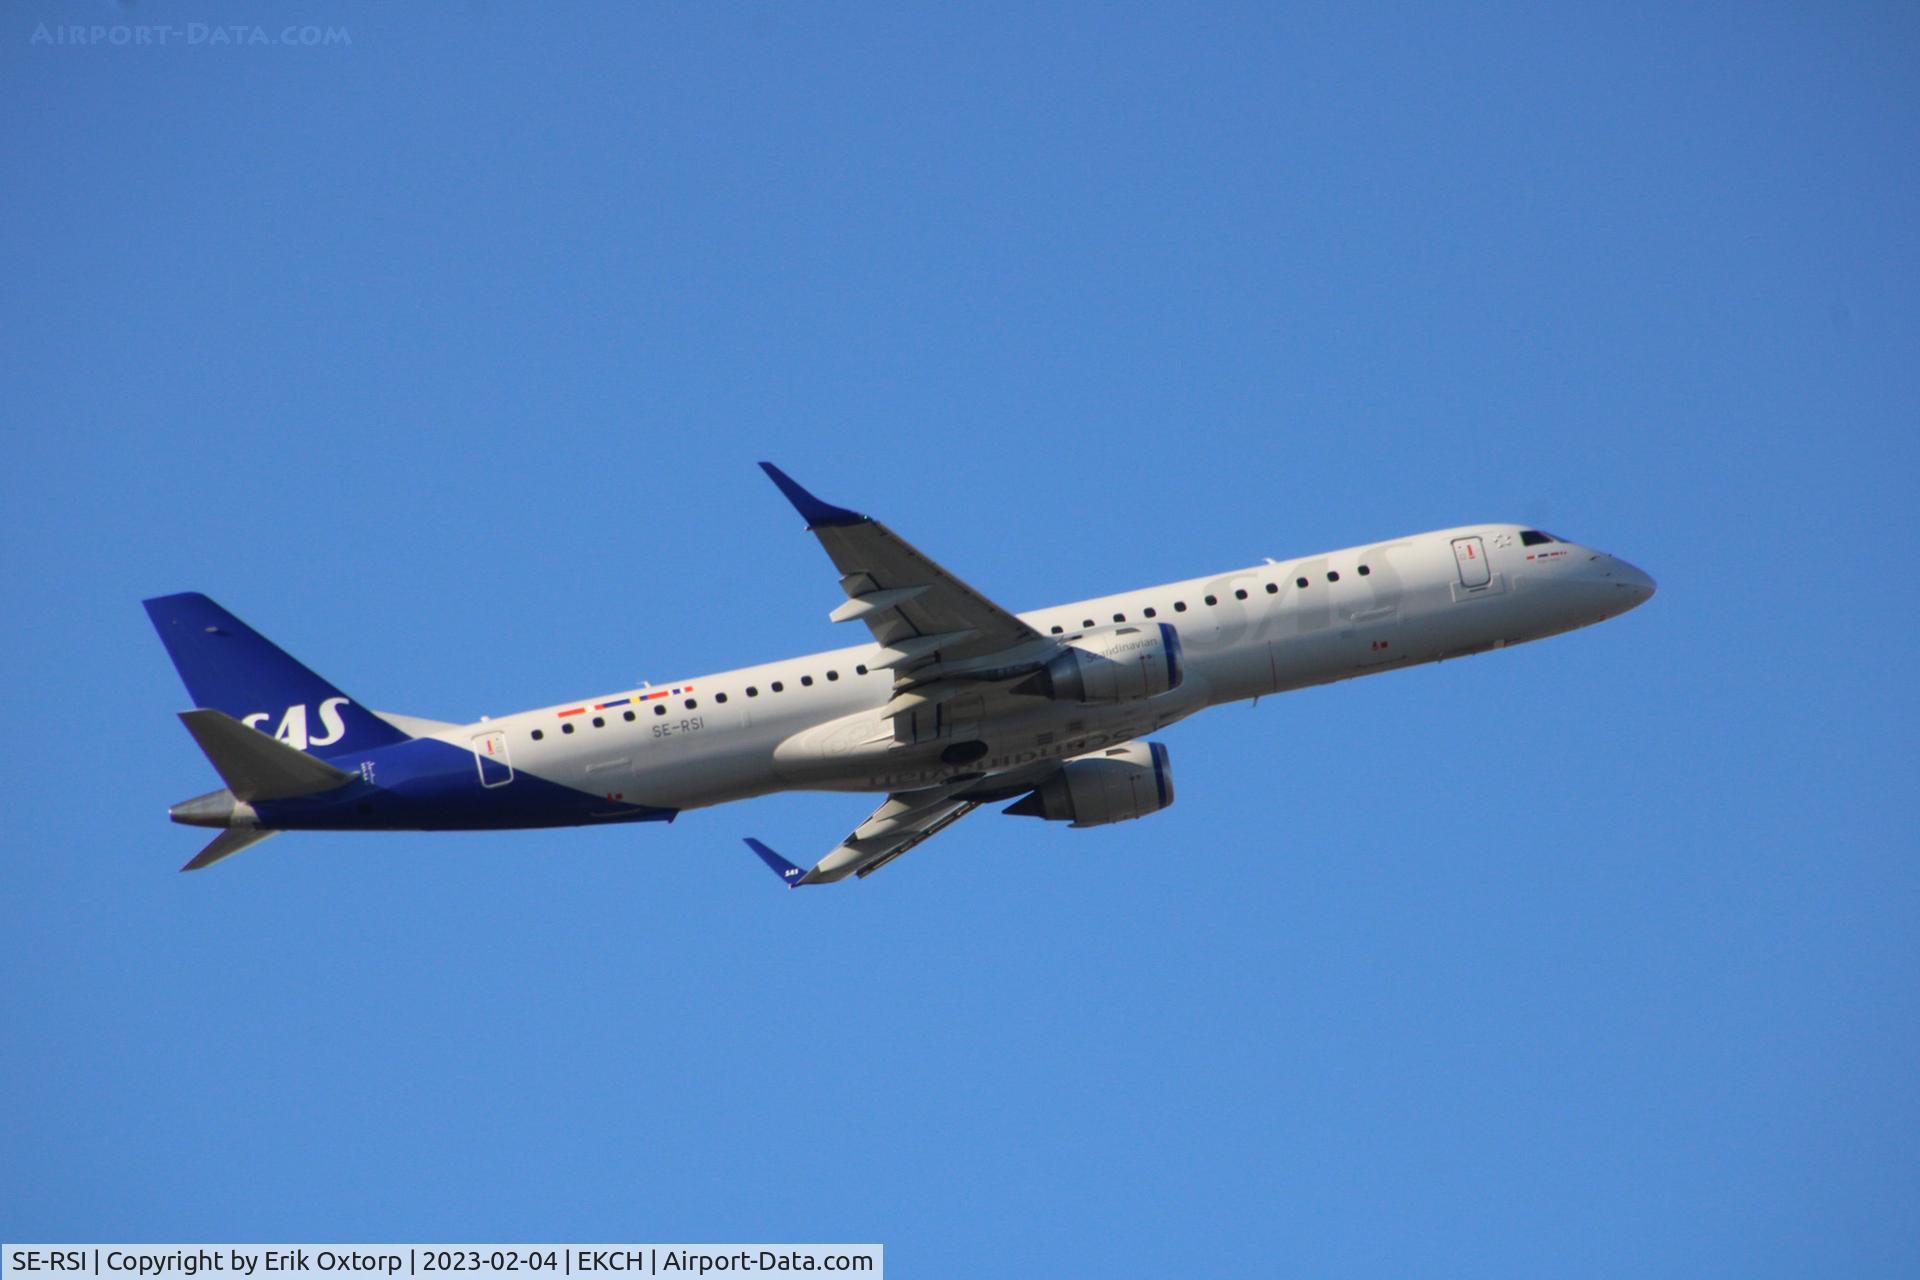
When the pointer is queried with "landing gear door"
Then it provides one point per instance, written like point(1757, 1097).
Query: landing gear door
point(1471, 556)
point(963, 716)
point(490, 753)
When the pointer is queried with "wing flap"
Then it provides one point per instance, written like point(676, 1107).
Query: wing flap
point(906, 652)
point(933, 829)
point(904, 812)
point(861, 605)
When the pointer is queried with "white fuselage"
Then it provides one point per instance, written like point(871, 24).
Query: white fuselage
point(814, 722)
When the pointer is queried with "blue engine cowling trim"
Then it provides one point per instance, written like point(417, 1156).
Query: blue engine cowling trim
point(1176, 668)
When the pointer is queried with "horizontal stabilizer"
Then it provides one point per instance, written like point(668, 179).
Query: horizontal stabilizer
point(255, 766)
point(789, 874)
point(226, 844)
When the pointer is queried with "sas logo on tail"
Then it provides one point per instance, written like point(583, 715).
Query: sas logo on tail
point(293, 724)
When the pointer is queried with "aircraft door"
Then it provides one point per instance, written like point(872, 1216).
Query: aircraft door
point(1471, 557)
point(490, 754)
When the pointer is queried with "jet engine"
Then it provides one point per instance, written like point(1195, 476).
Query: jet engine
point(1128, 781)
point(1111, 664)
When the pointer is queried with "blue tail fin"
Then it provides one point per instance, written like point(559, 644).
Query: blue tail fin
point(230, 667)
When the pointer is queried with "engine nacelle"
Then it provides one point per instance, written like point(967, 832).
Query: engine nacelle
point(1112, 664)
point(1129, 781)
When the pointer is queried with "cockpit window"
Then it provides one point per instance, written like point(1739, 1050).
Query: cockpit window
point(1533, 538)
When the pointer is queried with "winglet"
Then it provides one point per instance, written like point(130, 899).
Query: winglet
point(787, 872)
point(817, 514)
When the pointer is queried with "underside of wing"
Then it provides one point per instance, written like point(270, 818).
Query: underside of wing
point(902, 822)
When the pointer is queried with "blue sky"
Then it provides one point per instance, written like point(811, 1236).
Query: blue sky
point(444, 356)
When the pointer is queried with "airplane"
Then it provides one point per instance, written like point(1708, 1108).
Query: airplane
point(951, 703)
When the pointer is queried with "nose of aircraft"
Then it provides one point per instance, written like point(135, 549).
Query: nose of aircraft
point(1627, 578)
point(1642, 580)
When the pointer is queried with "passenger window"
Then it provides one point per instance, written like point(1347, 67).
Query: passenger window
point(1272, 589)
point(1087, 623)
point(778, 687)
point(1213, 600)
point(1364, 571)
point(1300, 582)
point(1057, 630)
point(537, 735)
point(692, 703)
point(599, 722)
point(1333, 575)
point(1119, 617)
point(1179, 606)
point(833, 675)
point(627, 716)
point(567, 727)
point(753, 691)
point(860, 670)
point(807, 681)
point(659, 708)
point(1150, 612)
point(1240, 593)
point(719, 697)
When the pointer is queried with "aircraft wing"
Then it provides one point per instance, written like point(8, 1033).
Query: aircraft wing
point(920, 614)
point(903, 821)
point(941, 639)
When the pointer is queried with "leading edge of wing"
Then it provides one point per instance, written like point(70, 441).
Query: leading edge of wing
point(817, 514)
